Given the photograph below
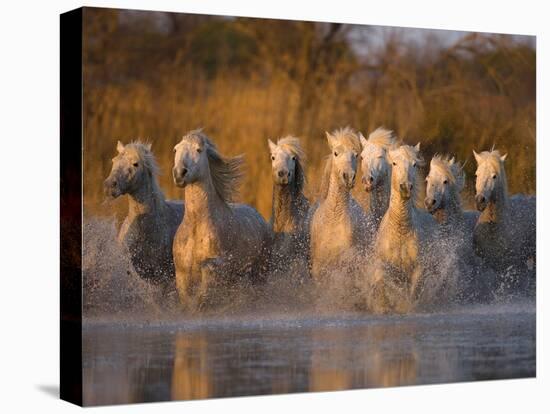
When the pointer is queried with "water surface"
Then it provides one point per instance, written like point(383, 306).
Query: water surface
point(223, 357)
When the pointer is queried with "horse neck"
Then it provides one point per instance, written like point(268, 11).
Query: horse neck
point(452, 212)
point(202, 200)
point(338, 197)
point(497, 209)
point(400, 213)
point(286, 204)
point(148, 199)
point(377, 200)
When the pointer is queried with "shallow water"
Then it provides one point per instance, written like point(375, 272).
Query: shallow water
point(222, 357)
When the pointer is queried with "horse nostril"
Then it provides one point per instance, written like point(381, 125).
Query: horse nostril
point(432, 202)
point(371, 179)
point(183, 171)
point(113, 184)
point(281, 174)
point(345, 175)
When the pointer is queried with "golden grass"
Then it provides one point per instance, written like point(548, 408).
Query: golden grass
point(445, 105)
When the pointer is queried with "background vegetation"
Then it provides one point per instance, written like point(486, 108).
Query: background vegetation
point(154, 76)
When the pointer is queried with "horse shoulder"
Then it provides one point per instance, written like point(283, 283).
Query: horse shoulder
point(249, 224)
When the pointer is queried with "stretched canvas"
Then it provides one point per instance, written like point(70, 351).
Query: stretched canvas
point(254, 206)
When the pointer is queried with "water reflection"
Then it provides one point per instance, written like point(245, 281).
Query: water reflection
point(138, 364)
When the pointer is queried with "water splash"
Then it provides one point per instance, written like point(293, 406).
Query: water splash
point(114, 291)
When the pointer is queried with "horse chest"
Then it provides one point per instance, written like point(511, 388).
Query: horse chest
point(400, 250)
point(334, 239)
point(194, 244)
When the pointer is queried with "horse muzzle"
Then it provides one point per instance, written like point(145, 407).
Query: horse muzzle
point(111, 188)
point(178, 174)
point(431, 204)
point(349, 180)
point(282, 177)
point(405, 190)
point(369, 183)
point(481, 202)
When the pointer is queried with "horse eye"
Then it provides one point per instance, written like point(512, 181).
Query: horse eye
point(394, 163)
point(335, 154)
point(494, 176)
point(199, 150)
point(135, 164)
point(414, 165)
point(174, 150)
point(273, 158)
point(445, 182)
point(293, 158)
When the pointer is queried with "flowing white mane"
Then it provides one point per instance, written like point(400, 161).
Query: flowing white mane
point(348, 138)
point(292, 145)
point(450, 169)
point(383, 138)
point(226, 172)
point(143, 150)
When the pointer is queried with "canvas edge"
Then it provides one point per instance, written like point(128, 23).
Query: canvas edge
point(70, 376)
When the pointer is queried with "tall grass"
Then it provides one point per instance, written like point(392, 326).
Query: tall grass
point(471, 95)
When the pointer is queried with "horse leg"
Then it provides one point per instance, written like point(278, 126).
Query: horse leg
point(415, 283)
point(379, 302)
point(209, 269)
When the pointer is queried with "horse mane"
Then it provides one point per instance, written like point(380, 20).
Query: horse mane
point(325, 178)
point(492, 157)
point(348, 137)
point(226, 172)
point(454, 171)
point(143, 149)
point(383, 138)
point(292, 145)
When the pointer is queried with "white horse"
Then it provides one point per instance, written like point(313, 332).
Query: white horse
point(289, 205)
point(444, 184)
point(505, 233)
point(149, 227)
point(218, 243)
point(376, 173)
point(402, 242)
point(338, 224)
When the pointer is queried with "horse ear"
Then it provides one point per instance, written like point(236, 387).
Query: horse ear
point(417, 147)
point(452, 161)
point(120, 147)
point(363, 140)
point(148, 146)
point(330, 140)
point(503, 157)
point(477, 156)
point(272, 145)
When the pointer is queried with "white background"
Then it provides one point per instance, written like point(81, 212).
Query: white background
point(29, 191)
